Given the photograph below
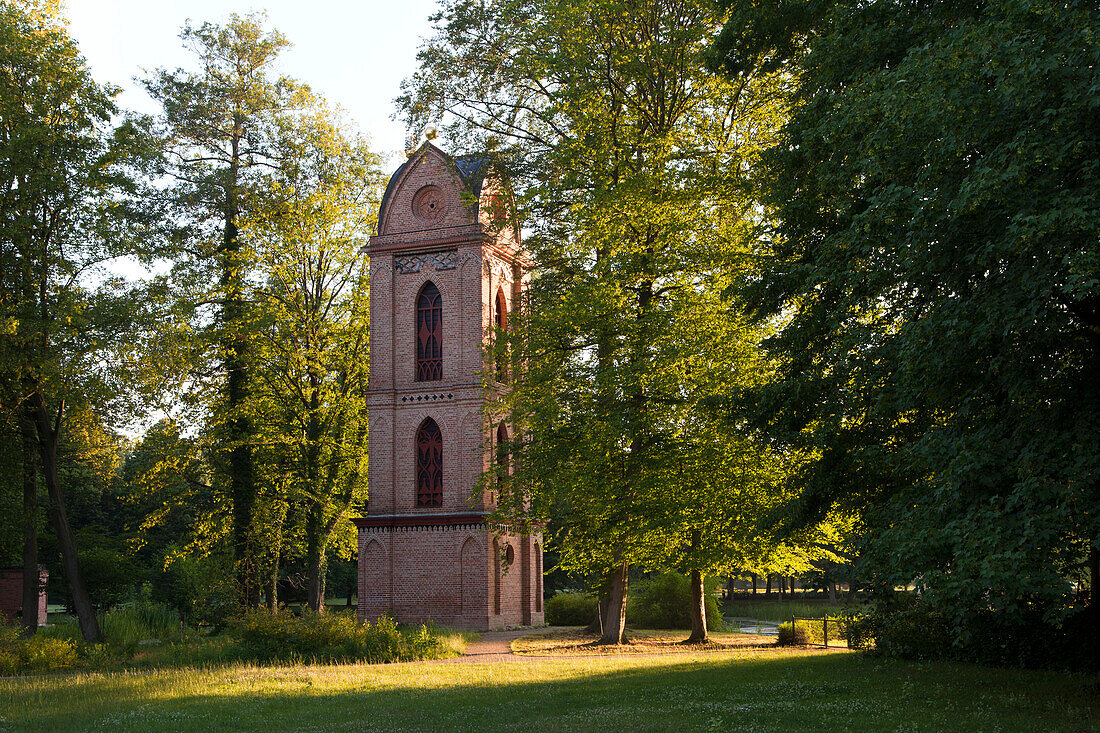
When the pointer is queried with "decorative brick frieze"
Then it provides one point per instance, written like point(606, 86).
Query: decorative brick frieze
point(411, 264)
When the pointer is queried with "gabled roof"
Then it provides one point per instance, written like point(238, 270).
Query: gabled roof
point(471, 170)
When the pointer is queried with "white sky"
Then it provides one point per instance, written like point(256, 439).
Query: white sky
point(354, 53)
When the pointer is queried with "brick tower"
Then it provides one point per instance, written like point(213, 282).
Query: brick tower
point(444, 272)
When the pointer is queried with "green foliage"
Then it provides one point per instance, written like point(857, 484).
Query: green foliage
point(789, 635)
point(200, 589)
point(912, 630)
point(570, 608)
point(38, 653)
point(331, 637)
point(662, 600)
point(278, 191)
point(933, 215)
point(628, 160)
point(780, 610)
point(125, 627)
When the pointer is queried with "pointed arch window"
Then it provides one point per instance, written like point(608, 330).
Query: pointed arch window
point(501, 320)
point(429, 464)
point(429, 334)
point(503, 460)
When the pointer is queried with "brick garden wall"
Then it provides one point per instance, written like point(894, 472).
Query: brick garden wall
point(11, 593)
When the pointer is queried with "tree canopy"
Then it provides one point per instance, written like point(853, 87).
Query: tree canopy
point(933, 247)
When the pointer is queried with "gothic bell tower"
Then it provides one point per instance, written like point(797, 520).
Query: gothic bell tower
point(444, 273)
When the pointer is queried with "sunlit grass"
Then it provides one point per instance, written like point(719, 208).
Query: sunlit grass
point(577, 642)
point(779, 610)
point(796, 692)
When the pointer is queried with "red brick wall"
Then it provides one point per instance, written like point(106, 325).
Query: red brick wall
point(11, 593)
point(421, 572)
point(448, 574)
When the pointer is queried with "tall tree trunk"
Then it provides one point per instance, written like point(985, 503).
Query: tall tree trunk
point(832, 590)
point(314, 560)
point(271, 592)
point(614, 622)
point(1094, 576)
point(315, 550)
point(768, 585)
point(47, 445)
point(235, 347)
point(698, 610)
point(753, 583)
point(31, 590)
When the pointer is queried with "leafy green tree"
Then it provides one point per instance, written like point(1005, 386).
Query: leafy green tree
point(935, 199)
point(70, 205)
point(619, 144)
point(220, 124)
point(311, 353)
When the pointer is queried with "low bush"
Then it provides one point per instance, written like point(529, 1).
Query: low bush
point(792, 635)
point(570, 609)
point(331, 637)
point(662, 601)
point(913, 629)
point(38, 653)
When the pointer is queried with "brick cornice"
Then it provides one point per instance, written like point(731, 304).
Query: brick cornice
point(419, 520)
point(382, 243)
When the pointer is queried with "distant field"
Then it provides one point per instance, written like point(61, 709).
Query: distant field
point(779, 610)
point(818, 693)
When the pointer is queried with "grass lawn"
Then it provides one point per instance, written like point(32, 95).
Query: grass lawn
point(725, 692)
point(574, 641)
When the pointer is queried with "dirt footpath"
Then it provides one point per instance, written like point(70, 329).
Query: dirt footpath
point(495, 646)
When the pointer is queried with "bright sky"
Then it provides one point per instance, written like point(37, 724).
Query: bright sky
point(354, 53)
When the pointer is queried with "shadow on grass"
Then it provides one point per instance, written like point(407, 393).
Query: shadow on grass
point(818, 693)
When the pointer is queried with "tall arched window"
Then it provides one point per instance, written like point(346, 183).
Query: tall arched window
point(538, 578)
point(503, 461)
point(429, 334)
point(497, 560)
point(501, 355)
point(429, 464)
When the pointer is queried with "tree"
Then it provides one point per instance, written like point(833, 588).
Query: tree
point(615, 137)
point(220, 124)
point(70, 204)
point(311, 354)
point(935, 246)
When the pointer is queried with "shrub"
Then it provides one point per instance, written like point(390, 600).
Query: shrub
point(914, 629)
point(331, 637)
point(662, 601)
point(570, 609)
point(792, 636)
point(39, 653)
point(910, 631)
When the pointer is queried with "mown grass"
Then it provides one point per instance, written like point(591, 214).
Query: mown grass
point(819, 692)
point(577, 642)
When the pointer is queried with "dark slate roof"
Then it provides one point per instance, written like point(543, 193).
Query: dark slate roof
point(471, 169)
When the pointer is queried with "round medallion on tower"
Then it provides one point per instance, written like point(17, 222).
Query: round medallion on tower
point(428, 204)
